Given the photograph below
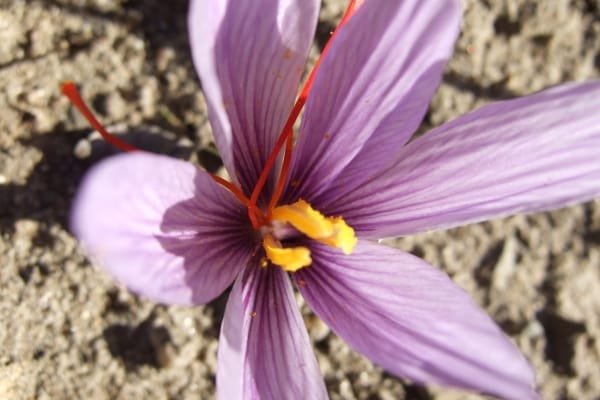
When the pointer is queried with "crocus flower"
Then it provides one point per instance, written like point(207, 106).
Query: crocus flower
point(172, 232)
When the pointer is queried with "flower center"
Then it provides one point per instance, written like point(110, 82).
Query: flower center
point(296, 217)
point(332, 231)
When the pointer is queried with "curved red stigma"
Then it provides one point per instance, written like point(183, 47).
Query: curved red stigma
point(287, 134)
point(69, 89)
point(257, 218)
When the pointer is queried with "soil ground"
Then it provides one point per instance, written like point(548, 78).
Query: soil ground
point(68, 332)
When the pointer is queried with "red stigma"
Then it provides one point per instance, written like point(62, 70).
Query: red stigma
point(69, 89)
point(286, 137)
point(287, 134)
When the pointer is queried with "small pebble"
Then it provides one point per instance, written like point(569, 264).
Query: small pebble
point(385, 394)
point(37, 97)
point(27, 228)
point(318, 330)
point(346, 390)
point(534, 329)
point(83, 149)
point(505, 267)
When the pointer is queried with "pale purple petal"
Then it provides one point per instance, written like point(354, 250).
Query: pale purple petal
point(372, 91)
point(526, 155)
point(250, 56)
point(264, 350)
point(162, 227)
point(412, 320)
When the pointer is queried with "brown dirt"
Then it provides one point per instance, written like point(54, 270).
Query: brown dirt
point(69, 332)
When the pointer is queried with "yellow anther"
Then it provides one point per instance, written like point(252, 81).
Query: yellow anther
point(332, 231)
point(343, 237)
point(304, 218)
point(291, 259)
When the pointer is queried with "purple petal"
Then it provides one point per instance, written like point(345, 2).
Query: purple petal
point(372, 91)
point(264, 350)
point(250, 56)
point(526, 155)
point(162, 227)
point(412, 320)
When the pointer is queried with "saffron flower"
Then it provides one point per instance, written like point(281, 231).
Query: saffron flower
point(309, 216)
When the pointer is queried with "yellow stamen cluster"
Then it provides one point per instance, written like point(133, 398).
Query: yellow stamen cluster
point(290, 259)
point(332, 231)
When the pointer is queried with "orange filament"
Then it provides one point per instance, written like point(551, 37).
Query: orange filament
point(237, 192)
point(232, 188)
point(287, 134)
point(69, 89)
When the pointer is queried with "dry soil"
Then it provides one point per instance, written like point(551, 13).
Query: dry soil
point(68, 332)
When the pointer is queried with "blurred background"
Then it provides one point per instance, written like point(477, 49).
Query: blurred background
point(68, 332)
